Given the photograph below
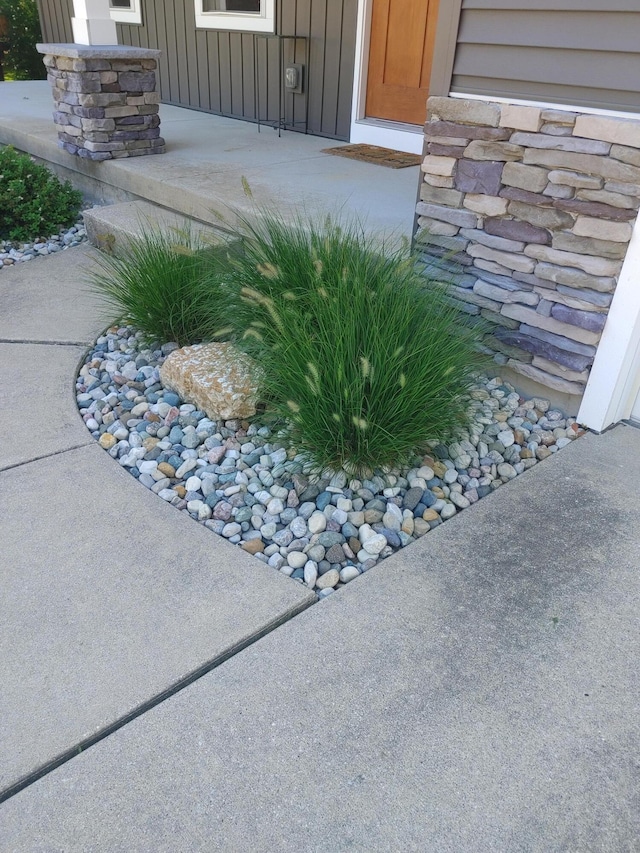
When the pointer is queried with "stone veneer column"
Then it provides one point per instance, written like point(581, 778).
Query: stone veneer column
point(529, 212)
point(106, 102)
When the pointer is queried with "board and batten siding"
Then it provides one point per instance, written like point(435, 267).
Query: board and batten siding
point(55, 19)
point(213, 70)
point(582, 52)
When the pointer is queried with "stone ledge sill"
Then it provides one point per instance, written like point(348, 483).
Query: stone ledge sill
point(98, 51)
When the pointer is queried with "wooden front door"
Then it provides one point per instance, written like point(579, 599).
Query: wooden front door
point(402, 38)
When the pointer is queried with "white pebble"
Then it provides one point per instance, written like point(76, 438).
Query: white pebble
point(296, 559)
point(187, 465)
point(317, 522)
point(348, 574)
point(275, 506)
point(506, 437)
point(310, 573)
point(375, 544)
point(426, 473)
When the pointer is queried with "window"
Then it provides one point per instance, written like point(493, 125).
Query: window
point(126, 11)
point(250, 15)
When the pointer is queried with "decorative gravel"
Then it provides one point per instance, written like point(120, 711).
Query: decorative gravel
point(12, 252)
point(237, 480)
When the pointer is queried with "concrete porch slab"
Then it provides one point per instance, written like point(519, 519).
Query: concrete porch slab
point(38, 415)
point(207, 157)
point(477, 692)
point(110, 598)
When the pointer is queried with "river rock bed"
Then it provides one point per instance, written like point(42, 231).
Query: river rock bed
point(237, 480)
point(14, 252)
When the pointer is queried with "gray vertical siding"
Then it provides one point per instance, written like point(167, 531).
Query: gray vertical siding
point(582, 52)
point(214, 70)
point(55, 19)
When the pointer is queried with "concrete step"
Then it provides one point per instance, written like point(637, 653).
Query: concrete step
point(110, 227)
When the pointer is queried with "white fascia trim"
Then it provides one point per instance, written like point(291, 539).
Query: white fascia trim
point(133, 15)
point(570, 108)
point(387, 136)
point(614, 380)
point(265, 22)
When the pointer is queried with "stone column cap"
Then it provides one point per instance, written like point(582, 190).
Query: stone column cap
point(98, 51)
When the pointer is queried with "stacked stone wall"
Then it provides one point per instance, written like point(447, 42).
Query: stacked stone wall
point(106, 107)
point(528, 212)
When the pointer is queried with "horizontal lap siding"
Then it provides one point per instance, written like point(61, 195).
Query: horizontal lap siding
point(582, 52)
point(214, 70)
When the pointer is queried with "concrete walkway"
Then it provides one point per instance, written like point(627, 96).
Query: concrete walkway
point(110, 599)
point(479, 691)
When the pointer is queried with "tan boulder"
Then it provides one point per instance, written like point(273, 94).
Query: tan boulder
point(217, 378)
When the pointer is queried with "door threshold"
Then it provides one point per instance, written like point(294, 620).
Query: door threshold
point(388, 134)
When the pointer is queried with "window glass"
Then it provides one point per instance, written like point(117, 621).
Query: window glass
point(248, 7)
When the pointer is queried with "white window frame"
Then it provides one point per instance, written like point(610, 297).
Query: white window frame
point(133, 15)
point(248, 22)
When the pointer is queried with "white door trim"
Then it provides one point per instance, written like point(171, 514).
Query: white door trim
point(388, 134)
point(614, 380)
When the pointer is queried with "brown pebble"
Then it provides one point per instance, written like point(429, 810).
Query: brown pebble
point(253, 546)
point(328, 579)
point(107, 440)
point(430, 515)
point(166, 469)
point(439, 469)
point(408, 526)
point(180, 491)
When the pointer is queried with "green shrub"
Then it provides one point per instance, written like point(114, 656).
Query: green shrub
point(33, 202)
point(361, 358)
point(22, 61)
point(168, 285)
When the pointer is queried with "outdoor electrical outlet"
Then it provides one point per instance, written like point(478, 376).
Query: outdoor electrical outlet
point(293, 75)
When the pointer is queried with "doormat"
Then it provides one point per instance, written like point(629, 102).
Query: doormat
point(374, 154)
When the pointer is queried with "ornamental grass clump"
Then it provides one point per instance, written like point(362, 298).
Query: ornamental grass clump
point(33, 201)
point(362, 360)
point(166, 284)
